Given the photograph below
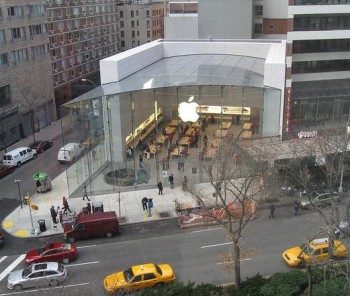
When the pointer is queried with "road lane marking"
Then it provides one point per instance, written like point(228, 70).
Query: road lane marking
point(206, 230)
point(3, 258)
point(82, 247)
point(217, 245)
point(231, 261)
point(79, 264)
point(45, 289)
point(11, 266)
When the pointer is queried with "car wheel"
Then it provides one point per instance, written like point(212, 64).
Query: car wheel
point(53, 283)
point(51, 144)
point(19, 164)
point(65, 260)
point(50, 189)
point(17, 288)
point(109, 234)
point(71, 239)
point(34, 156)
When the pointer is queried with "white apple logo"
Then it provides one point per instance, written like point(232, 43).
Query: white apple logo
point(188, 111)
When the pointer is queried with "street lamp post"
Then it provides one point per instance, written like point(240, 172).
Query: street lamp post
point(88, 80)
point(19, 191)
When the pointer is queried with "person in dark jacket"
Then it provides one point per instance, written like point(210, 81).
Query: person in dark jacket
point(171, 181)
point(144, 203)
point(272, 211)
point(160, 188)
point(53, 214)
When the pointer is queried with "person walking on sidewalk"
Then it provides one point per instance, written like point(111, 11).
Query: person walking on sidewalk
point(59, 214)
point(160, 188)
point(53, 214)
point(272, 211)
point(296, 207)
point(65, 205)
point(171, 181)
point(144, 203)
point(85, 194)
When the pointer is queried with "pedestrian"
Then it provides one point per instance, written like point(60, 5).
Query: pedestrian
point(296, 207)
point(171, 181)
point(65, 205)
point(88, 206)
point(53, 214)
point(272, 211)
point(184, 184)
point(59, 214)
point(93, 154)
point(144, 203)
point(163, 163)
point(141, 161)
point(160, 188)
point(205, 140)
point(85, 195)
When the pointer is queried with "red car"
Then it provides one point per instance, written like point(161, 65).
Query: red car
point(41, 146)
point(2, 240)
point(5, 170)
point(53, 252)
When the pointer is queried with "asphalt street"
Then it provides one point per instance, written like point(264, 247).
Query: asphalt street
point(195, 254)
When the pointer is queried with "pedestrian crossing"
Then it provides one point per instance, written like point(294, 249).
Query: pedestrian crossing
point(10, 263)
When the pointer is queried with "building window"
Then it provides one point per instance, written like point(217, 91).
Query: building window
point(148, 34)
point(3, 60)
point(147, 13)
point(258, 10)
point(2, 37)
point(121, 24)
point(137, 13)
point(132, 13)
point(258, 28)
point(14, 11)
point(133, 34)
point(35, 30)
point(148, 24)
point(122, 43)
point(122, 34)
point(17, 33)
point(5, 95)
point(137, 23)
point(138, 33)
point(121, 14)
point(19, 55)
point(133, 43)
point(132, 24)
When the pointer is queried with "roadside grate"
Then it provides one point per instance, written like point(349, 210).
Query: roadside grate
point(164, 214)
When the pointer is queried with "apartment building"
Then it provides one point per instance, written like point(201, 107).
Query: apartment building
point(140, 22)
point(26, 86)
point(318, 67)
point(81, 32)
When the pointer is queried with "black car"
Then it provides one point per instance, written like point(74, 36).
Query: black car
point(5, 170)
point(41, 146)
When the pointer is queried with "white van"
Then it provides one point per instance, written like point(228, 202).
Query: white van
point(18, 156)
point(69, 152)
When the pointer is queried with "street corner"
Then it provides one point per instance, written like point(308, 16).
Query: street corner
point(10, 228)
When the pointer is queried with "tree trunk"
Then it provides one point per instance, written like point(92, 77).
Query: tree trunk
point(309, 280)
point(33, 124)
point(237, 264)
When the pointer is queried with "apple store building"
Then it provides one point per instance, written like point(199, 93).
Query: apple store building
point(164, 107)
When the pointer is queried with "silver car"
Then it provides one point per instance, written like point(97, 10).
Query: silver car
point(318, 199)
point(37, 275)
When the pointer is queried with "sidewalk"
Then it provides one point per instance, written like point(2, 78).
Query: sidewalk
point(127, 205)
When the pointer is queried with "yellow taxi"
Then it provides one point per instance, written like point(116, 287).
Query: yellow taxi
point(313, 252)
point(139, 277)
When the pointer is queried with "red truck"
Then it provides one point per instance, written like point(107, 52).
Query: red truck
point(92, 225)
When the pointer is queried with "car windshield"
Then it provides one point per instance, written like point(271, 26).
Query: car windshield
point(128, 275)
point(27, 271)
point(41, 250)
point(159, 270)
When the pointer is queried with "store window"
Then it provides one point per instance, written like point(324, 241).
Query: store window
point(5, 95)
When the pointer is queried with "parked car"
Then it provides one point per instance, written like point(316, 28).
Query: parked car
point(139, 277)
point(37, 275)
point(53, 252)
point(41, 146)
point(6, 169)
point(313, 252)
point(2, 239)
point(92, 225)
point(318, 198)
point(18, 156)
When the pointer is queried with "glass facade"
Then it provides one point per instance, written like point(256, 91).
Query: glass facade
point(107, 127)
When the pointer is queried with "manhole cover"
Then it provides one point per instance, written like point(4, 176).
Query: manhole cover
point(164, 214)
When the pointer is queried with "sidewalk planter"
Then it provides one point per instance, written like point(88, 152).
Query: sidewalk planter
point(191, 215)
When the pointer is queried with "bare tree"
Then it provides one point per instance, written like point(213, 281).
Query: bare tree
point(239, 182)
point(316, 165)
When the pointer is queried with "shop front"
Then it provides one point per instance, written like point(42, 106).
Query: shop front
point(133, 133)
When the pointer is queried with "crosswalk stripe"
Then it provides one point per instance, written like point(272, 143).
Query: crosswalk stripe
point(3, 258)
point(11, 267)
